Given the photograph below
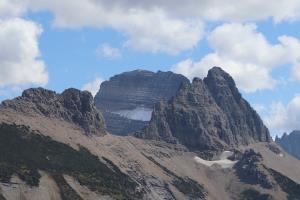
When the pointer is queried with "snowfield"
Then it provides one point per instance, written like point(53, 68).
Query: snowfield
point(139, 113)
point(223, 161)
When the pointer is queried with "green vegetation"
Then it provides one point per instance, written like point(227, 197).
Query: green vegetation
point(24, 153)
point(287, 185)
point(251, 194)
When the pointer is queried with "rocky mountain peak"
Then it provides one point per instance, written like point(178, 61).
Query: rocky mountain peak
point(221, 84)
point(290, 143)
point(207, 115)
point(127, 99)
point(80, 100)
point(38, 94)
point(72, 105)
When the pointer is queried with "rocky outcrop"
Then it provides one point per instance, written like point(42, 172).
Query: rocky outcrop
point(250, 169)
point(245, 123)
point(72, 105)
point(127, 99)
point(290, 143)
point(208, 115)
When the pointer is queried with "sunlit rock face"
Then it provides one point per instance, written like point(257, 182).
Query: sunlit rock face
point(127, 99)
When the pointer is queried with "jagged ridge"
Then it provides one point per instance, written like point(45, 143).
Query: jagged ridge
point(290, 143)
point(208, 115)
point(72, 105)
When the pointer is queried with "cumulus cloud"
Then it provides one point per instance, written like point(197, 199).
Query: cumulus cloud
point(246, 54)
point(19, 54)
point(167, 26)
point(12, 8)
point(295, 74)
point(210, 10)
point(222, 10)
point(107, 51)
point(284, 118)
point(147, 29)
point(94, 86)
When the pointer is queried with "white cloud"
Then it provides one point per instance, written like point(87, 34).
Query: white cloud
point(246, 54)
point(107, 51)
point(148, 29)
point(19, 54)
point(12, 8)
point(296, 72)
point(251, 10)
point(283, 118)
point(94, 86)
point(157, 26)
point(211, 10)
point(167, 26)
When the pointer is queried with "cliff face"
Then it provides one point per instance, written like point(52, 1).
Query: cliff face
point(127, 99)
point(207, 115)
point(245, 123)
point(45, 155)
point(290, 143)
point(72, 105)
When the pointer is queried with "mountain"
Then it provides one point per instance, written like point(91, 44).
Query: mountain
point(72, 105)
point(206, 115)
point(290, 143)
point(127, 99)
point(47, 153)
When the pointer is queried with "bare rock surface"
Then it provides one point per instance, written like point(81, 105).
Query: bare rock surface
point(195, 121)
point(72, 105)
point(127, 99)
point(206, 115)
point(156, 165)
point(290, 143)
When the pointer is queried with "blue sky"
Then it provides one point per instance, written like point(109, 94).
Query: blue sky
point(80, 43)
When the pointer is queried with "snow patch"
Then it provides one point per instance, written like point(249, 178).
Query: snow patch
point(223, 161)
point(281, 155)
point(139, 113)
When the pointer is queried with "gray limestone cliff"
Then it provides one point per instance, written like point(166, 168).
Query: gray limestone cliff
point(127, 99)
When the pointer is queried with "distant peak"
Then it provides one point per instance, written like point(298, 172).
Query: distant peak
point(39, 92)
point(295, 132)
point(217, 71)
point(74, 92)
point(138, 71)
point(217, 76)
point(72, 105)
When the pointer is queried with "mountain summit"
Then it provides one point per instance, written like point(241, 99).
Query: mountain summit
point(206, 115)
point(72, 105)
point(203, 142)
point(290, 143)
point(127, 99)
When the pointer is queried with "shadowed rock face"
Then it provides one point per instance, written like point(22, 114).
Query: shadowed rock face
point(245, 123)
point(72, 105)
point(290, 143)
point(127, 99)
point(207, 115)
